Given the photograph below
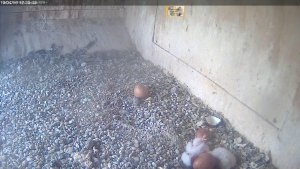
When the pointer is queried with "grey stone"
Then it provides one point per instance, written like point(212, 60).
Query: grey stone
point(136, 101)
point(238, 140)
point(47, 122)
point(136, 159)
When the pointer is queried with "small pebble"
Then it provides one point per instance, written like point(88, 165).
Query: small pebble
point(77, 110)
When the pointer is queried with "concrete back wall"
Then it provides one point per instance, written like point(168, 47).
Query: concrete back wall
point(24, 29)
point(242, 61)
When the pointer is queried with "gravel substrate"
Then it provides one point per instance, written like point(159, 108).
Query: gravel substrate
point(77, 111)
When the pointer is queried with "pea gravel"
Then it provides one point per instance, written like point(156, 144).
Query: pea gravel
point(77, 111)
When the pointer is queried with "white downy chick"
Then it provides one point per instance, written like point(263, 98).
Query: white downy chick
point(227, 159)
point(186, 159)
point(192, 150)
point(196, 147)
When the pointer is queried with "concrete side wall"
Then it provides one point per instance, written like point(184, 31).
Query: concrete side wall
point(242, 61)
point(24, 29)
point(15, 14)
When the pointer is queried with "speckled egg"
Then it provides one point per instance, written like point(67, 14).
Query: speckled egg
point(205, 161)
point(141, 91)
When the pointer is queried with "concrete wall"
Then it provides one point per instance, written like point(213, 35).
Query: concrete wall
point(24, 29)
point(242, 61)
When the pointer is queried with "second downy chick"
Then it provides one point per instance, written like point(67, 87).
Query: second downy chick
point(226, 159)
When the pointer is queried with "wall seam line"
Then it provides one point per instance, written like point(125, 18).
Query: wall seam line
point(226, 91)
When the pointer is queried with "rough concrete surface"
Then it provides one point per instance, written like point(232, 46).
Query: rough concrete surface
point(22, 32)
point(242, 61)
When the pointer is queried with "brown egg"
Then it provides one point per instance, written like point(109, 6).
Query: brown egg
point(205, 161)
point(140, 91)
point(202, 134)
